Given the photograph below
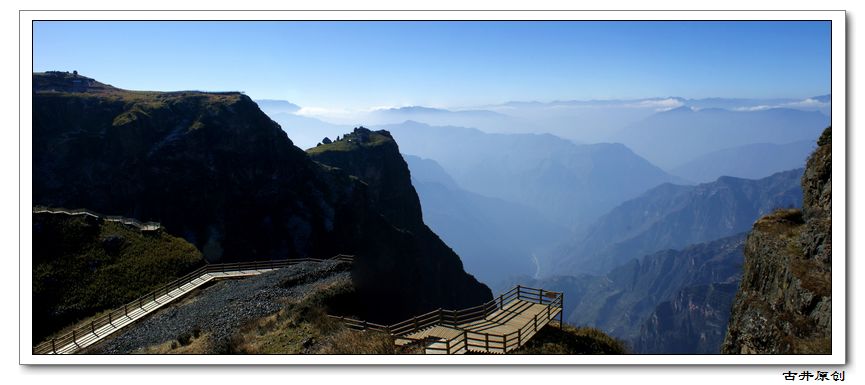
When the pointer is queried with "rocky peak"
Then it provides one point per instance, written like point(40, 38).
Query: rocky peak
point(374, 157)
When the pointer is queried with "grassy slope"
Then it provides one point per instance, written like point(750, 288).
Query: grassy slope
point(350, 142)
point(82, 266)
point(570, 340)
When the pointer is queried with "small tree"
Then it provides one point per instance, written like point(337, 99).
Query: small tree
point(327, 140)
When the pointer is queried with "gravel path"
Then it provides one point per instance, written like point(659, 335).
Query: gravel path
point(220, 309)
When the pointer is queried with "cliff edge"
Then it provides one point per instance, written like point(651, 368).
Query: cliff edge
point(784, 302)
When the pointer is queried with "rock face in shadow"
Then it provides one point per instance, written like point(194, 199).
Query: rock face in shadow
point(784, 303)
point(215, 170)
point(373, 157)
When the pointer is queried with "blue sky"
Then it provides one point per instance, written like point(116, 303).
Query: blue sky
point(356, 65)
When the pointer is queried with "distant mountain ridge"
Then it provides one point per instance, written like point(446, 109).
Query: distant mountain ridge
point(751, 161)
point(304, 131)
point(671, 138)
point(269, 106)
point(674, 216)
point(581, 121)
point(569, 184)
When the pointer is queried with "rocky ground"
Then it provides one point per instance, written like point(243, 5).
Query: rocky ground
point(220, 310)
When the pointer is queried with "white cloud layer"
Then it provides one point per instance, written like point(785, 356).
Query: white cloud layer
point(809, 103)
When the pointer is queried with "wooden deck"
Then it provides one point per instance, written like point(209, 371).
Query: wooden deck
point(499, 326)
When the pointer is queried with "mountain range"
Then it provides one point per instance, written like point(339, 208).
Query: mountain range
point(569, 184)
point(673, 216)
point(672, 138)
point(751, 161)
point(581, 121)
point(749, 138)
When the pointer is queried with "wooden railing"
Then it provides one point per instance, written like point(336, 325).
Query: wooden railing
point(71, 337)
point(467, 339)
point(143, 226)
point(507, 342)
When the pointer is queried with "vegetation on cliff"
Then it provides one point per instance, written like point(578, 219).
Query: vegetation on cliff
point(572, 340)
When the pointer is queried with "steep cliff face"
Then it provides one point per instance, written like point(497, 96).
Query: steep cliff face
point(210, 167)
point(784, 302)
point(215, 170)
point(374, 158)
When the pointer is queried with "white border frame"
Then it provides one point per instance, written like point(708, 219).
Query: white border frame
point(839, 114)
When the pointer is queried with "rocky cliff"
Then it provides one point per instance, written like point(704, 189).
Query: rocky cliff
point(215, 170)
point(784, 302)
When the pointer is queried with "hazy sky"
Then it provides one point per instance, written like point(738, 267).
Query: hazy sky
point(357, 65)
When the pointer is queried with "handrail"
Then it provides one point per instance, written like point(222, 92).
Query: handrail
point(143, 226)
point(456, 317)
point(117, 313)
point(468, 338)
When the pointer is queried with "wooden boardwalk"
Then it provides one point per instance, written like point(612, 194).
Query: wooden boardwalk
point(93, 332)
point(143, 226)
point(145, 308)
point(499, 326)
